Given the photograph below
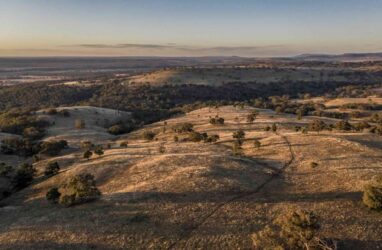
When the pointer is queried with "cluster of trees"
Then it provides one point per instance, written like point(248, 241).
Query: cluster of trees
point(92, 149)
point(41, 95)
point(22, 122)
point(152, 103)
point(25, 148)
point(318, 125)
point(16, 178)
point(217, 120)
point(75, 190)
point(192, 135)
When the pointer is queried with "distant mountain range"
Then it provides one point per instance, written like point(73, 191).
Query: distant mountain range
point(347, 57)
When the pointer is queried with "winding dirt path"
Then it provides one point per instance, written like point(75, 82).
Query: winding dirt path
point(193, 229)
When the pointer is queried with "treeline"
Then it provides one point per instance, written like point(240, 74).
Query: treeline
point(42, 95)
point(152, 103)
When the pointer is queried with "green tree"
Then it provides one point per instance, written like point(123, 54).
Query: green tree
point(23, 176)
point(88, 154)
point(372, 195)
point(99, 151)
point(53, 195)
point(239, 136)
point(79, 189)
point(317, 125)
point(148, 135)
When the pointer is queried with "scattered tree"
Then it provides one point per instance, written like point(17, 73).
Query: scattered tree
point(88, 154)
point(148, 135)
point(52, 169)
point(79, 189)
point(99, 151)
point(53, 195)
point(23, 176)
point(372, 195)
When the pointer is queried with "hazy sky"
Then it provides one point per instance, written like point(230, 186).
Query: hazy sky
point(188, 28)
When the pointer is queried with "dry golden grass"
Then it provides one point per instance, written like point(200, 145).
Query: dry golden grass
point(198, 195)
point(342, 101)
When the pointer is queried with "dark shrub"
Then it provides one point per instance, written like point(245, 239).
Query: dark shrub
point(53, 195)
point(5, 170)
point(15, 122)
point(79, 189)
point(98, 151)
point(87, 145)
point(52, 169)
point(343, 125)
point(183, 127)
point(17, 146)
point(87, 154)
point(217, 120)
point(196, 136)
point(23, 176)
point(116, 129)
point(33, 133)
point(212, 138)
point(52, 148)
point(317, 125)
point(148, 135)
point(296, 230)
point(64, 112)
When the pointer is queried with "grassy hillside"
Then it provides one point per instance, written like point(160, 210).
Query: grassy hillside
point(168, 194)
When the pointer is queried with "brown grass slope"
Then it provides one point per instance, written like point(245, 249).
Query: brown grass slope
point(198, 195)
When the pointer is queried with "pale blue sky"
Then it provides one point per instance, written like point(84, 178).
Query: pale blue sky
point(189, 28)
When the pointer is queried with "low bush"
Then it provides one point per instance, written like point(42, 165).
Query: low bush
point(21, 147)
point(87, 154)
point(217, 120)
point(52, 148)
point(148, 135)
point(183, 127)
point(372, 195)
point(5, 170)
point(212, 138)
point(98, 151)
point(23, 176)
point(295, 230)
point(52, 169)
point(87, 145)
point(33, 133)
point(116, 129)
point(196, 136)
point(53, 195)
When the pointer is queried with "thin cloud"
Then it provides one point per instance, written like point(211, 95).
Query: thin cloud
point(220, 50)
